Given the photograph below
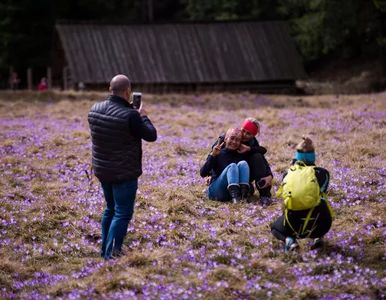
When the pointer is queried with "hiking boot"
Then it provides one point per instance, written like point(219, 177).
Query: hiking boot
point(234, 191)
point(290, 245)
point(318, 243)
point(251, 189)
point(244, 189)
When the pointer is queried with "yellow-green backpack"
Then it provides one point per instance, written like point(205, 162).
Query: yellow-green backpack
point(300, 189)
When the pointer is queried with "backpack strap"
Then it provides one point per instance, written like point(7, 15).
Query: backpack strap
point(306, 220)
point(308, 217)
point(286, 221)
point(279, 191)
point(300, 163)
point(328, 206)
point(323, 196)
point(330, 209)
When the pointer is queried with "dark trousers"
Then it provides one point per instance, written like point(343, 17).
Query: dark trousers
point(258, 170)
point(318, 227)
point(120, 197)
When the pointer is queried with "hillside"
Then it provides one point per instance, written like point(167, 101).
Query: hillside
point(354, 76)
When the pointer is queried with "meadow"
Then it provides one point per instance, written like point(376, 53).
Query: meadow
point(180, 245)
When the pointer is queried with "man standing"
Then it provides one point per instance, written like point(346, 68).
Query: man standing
point(117, 130)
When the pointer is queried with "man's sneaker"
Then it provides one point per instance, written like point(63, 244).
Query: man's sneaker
point(318, 243)
point(290, 245)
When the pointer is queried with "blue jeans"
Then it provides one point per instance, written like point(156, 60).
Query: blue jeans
point(120, 197)
point(232, 174)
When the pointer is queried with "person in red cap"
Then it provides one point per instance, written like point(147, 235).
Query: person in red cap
point(229, 172)
point(43, 84)
point(253, 153)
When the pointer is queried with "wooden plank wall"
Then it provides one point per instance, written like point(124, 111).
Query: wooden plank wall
point(201, 53)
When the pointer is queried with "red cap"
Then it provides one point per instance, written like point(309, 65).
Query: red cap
point(252, 128)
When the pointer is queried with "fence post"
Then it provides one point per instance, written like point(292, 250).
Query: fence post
point(49, 78)
point(29, 78)
point(10, 78)
point(65, 78)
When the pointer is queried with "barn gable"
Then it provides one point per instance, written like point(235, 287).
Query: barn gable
point(223, 54)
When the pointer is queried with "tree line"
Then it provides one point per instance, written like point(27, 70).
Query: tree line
point(322, 29)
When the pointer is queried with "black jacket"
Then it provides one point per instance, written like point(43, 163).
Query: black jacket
point(255, 148)
point(215, 165)
point(117, 131)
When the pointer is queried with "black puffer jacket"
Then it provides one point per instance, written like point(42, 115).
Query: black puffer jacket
point(116, 133)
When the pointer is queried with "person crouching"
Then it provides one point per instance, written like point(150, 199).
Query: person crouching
point(307, 212)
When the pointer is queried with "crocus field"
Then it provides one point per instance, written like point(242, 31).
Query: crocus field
point(180, 245)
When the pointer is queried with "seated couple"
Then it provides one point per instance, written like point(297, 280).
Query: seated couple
point(235, 162)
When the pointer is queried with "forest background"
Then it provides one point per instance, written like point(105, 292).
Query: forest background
point(348, 35)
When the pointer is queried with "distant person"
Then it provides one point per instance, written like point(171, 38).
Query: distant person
point(81, 86)
point(117, 131)
point(260, 171)
point(14, 82)
point(307, 212)
point(228, 169)
point(43, 86)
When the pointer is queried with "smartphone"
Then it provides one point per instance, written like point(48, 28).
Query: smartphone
point(261, 183)
point(137, 99)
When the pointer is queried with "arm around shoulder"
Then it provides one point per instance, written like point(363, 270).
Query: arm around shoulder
point(258, 149)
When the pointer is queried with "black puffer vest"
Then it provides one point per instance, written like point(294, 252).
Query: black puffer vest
point(116, 153)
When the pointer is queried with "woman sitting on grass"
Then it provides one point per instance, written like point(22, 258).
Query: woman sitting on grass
point(230, 173)
point(254, 156)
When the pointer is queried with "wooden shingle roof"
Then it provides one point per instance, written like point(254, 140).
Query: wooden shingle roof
point(182, 53)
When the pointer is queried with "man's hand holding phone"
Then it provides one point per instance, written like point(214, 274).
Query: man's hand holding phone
point(137, 97)
point(137, 104)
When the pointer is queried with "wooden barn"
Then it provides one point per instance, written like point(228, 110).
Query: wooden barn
point(178, 57)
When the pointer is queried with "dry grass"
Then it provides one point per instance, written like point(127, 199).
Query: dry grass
point(180, 245)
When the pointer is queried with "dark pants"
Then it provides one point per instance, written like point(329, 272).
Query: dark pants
point(318, 227)
point(258, 170)
point(120, 197)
